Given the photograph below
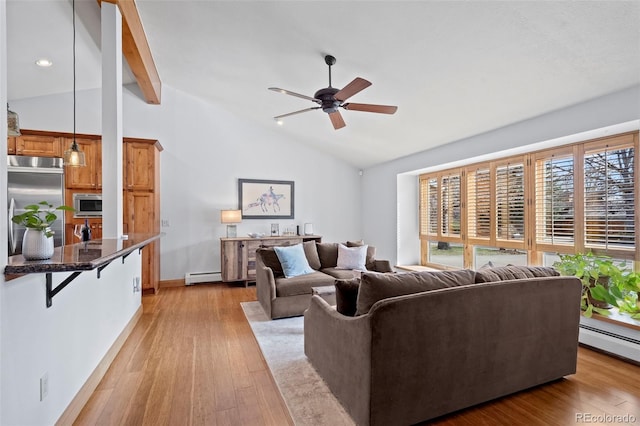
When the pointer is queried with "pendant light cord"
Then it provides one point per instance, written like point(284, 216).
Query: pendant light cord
point(75, 146)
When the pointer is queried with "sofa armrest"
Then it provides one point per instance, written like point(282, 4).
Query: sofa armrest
point(339, 348)
point(382, 266)
point(265, 286)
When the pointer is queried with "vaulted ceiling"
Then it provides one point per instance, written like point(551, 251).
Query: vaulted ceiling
point(454, 69)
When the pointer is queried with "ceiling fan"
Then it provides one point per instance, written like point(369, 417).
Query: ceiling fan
point(330, 99)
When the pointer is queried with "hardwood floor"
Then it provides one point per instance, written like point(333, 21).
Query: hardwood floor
point(192, 360)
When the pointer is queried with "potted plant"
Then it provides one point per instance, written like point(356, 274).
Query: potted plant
point(37, 243)
point(600, 280)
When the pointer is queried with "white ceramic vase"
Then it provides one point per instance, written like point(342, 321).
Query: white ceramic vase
point(36, 245)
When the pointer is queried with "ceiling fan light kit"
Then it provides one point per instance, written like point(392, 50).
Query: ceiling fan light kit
point(330, 99)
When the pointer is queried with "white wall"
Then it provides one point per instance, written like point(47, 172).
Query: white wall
point(3, 169)
point(390, 190)
point(65, 341)
point(206, 151)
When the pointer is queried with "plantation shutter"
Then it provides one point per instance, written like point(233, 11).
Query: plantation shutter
point(554, 195)
point(428, 206)
point(510, 202)
point(609, 197)
point(451, 202)
point(479, 203)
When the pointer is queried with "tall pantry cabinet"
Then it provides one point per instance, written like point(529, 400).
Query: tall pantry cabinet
point(141, 198)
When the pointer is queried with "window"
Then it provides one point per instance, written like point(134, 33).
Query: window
point(609, 197)
point(510, 201)
point(554, 200)
point(575, 198)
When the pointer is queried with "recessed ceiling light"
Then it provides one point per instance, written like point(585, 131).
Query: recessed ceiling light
point(44, 62)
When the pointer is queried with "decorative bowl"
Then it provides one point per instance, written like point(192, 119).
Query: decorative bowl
point(256, 234)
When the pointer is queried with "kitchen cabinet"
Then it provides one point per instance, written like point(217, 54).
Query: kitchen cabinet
point(139, 217)
point(11, 145)
point(238, 255)
point(139, 169)
point(90, 176)
point(141, 197)
point(38, 146)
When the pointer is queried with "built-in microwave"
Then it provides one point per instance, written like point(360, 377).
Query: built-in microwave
point(87, 205)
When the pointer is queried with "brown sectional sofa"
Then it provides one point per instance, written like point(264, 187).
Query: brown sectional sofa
point(419, 355)
point(282, 297)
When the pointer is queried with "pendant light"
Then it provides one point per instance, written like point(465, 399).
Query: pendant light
point(73, 156)
point(13, 126)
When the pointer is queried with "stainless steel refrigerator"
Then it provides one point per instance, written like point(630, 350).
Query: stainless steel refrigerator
point(30, 181)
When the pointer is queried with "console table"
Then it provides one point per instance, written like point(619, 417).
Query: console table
point(238, 255)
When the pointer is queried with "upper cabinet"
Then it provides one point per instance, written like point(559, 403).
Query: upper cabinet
point(140, 159)
point(90, 176)
point(37, 146)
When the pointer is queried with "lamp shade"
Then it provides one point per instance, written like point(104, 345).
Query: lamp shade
point(230, 216)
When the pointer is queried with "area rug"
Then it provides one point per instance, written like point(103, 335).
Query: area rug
point(309, 400)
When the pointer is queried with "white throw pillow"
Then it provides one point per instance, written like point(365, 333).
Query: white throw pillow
point(352, 257)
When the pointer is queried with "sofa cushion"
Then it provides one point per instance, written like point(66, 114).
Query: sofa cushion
point(513, 272)
point(270, 260)
point(371, 253)
point(347, 296)
point(346, 274)
point(328, 254)
point(311, 252)
point(302, 284)
point(352, 257)
point(293, 260)
point(374, 287)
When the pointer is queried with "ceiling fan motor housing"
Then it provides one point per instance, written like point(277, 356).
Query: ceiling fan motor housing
point(328, 101)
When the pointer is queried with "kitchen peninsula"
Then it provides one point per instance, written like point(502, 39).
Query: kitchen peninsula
point(80, 256)
point(67, 317)
point(76, 258)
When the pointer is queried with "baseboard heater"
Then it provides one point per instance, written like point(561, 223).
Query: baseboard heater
point(191, 278)
point(616, 340)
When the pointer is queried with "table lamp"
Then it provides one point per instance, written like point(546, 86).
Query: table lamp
point(231, 217)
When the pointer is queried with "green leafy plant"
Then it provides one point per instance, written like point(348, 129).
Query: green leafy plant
point(596, 274)
point(603, 283)
point(39, 216)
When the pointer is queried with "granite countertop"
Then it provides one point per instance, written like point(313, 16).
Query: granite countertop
point(80, 256)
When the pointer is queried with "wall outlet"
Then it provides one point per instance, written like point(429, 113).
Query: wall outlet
point(164, 223)
point(44, 386)
point(136, 284)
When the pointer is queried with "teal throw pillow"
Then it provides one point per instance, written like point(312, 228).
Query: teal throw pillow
point(293, 261)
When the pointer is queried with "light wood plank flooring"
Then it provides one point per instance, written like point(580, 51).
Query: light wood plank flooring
point(192, 360)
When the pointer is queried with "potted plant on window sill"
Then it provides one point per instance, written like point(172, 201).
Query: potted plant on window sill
point(605, 285)
point(37, 243)
point(599, 276)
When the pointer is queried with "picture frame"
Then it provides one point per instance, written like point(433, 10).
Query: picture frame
point(266, 199)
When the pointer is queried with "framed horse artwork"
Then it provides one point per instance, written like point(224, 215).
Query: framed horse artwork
point(266, 199)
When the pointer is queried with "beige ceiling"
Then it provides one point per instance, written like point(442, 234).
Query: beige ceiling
point(455, 69)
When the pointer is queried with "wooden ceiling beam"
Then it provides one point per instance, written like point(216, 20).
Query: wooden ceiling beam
point(137, 52)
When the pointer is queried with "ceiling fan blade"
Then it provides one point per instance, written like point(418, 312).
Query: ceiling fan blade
point(298, 95)
point(382, 109)
point(337, 120)
point(295, 112)
point(352, 88)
